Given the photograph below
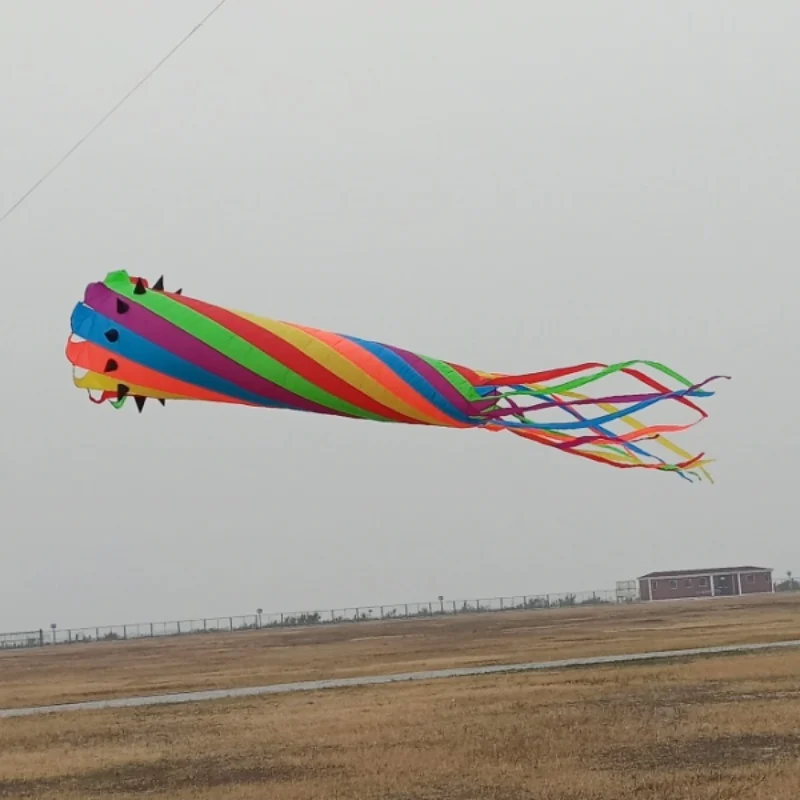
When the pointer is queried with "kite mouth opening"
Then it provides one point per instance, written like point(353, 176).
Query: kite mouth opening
point(134, 339)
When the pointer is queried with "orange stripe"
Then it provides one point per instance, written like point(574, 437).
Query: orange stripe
point(374, 367)
point(94, 358)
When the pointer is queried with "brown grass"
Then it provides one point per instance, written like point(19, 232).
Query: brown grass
point(204, 661)
point(709, 729)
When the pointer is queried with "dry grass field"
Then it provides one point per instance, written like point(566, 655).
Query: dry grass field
point(208, 661)
point(706, 729)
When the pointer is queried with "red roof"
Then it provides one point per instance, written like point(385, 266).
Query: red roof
point(680, 573)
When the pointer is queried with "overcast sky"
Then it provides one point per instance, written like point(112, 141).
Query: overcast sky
point(513, 185)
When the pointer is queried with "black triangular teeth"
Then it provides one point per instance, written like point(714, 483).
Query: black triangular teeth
point(122, 391)
point(140, 401)
point(158, 286)
point(140, 287)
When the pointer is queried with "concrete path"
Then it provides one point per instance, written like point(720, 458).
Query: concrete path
point(341, 683)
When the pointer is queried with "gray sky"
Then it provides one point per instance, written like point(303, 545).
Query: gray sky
point(513, 185)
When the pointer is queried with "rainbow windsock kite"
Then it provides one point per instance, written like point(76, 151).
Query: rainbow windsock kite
point(134, 340)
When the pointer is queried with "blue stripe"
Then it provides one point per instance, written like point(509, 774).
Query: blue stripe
point(409, 374)
point(569, 426)
point(526, 391)
point(606, 432)
point(91, 325)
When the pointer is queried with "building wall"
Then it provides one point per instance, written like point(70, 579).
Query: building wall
point(686, 586)
point(700, 585)
point(761, 582)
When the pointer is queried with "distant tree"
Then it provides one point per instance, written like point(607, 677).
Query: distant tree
point(594, 600)
point(567, 600)
point(537, 602)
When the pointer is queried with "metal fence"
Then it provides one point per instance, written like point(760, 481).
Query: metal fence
point(261, 620)
point(17, 639)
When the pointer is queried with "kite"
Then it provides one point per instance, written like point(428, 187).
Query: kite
point(131, 339)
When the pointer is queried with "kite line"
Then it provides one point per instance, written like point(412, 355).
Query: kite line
point(113, 110)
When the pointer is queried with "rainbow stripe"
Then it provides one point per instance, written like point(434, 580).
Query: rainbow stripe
point(130, 339)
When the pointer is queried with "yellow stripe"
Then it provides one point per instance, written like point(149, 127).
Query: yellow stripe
point(93, 381)
point(636, 425)
point(662, 440)
point(338, 365)
point(631, 421)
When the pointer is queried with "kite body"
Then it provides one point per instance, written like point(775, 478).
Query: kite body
point(133, 340)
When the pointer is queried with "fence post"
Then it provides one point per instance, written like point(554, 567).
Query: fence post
point(451, 606)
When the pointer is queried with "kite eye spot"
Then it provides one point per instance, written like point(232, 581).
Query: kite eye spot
point(111, 365)
point(112, 335)
point(122, 307)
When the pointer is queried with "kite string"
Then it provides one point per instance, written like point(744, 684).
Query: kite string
point(113, 109)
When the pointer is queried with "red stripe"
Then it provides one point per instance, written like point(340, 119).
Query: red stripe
point(551, 374)
point(683, 465)
point(466, 373)
point(293, 358)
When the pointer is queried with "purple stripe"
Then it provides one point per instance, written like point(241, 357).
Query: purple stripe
point(165, 334)
point(615, 399)
point(439, 382)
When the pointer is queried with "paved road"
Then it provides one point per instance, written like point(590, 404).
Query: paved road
point(340, 683)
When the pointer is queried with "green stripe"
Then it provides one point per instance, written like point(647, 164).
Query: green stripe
point(576, 383)
point(454, 378)
point(234, 347)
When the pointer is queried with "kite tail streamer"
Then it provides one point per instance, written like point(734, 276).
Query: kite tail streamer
point(518, 398)
point(131, 339)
